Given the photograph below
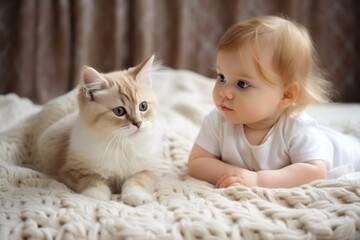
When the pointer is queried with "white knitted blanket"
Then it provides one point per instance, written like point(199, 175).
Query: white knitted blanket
point(34, 205)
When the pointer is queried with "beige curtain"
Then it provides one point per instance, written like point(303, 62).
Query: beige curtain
point(43, 43)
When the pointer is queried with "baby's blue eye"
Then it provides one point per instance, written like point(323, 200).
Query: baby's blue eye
point(221, 78)
point(242, 84)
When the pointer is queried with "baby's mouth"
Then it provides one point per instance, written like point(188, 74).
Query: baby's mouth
point(224, 108)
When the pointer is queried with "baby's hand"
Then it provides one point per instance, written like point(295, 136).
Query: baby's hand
point(237, 176)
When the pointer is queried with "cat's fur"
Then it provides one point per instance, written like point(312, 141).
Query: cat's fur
point(110, 152)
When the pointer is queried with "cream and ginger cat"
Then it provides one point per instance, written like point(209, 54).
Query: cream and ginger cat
point(114, 144)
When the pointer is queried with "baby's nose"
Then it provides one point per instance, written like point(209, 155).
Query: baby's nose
point(226, 93)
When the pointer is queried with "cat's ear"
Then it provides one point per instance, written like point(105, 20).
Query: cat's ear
point(143, 71)
point(92, 81)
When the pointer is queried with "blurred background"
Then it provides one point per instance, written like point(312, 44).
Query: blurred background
point(43, 43)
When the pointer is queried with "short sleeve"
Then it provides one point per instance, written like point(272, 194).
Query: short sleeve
point(208, 137)
point(308, 143)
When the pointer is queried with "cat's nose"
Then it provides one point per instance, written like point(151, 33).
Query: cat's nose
point(137, 124)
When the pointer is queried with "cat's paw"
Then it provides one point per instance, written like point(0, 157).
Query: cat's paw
point(136, 198)
point(102, 193)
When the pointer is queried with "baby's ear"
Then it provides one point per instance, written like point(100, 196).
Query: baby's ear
point(290, 94)
point(92, 81)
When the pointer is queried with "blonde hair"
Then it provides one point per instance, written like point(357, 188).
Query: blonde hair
point(294, 58)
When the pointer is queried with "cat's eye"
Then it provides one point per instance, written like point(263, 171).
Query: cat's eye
point(143, 106)
point(119, 111)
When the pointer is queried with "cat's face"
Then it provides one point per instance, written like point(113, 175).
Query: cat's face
point(121, 101)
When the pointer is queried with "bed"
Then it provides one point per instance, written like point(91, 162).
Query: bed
point(33, 205)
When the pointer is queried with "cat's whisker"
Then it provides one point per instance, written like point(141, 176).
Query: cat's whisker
point(122, 146)
point(108, 141)
point(109, 137)
point(118, 146)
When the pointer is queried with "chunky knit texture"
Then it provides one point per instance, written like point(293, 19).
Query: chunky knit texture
point(34, 205)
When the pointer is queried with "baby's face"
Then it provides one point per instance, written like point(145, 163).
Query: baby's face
point(241, 94)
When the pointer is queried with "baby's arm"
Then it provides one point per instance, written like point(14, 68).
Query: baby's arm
point(290, 176)
point(205, 166)
point(293, 175)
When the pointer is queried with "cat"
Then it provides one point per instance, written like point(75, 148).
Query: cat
point(114, 145)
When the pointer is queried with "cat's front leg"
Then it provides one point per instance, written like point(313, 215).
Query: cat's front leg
point(138, 189)
point(90, 185)
point(100, 191)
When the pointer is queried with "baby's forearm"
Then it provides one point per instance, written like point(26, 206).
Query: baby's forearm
point(208, 169)
point(212, 169)
point(293, 175)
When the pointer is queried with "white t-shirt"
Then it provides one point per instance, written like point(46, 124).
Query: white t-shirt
point(294, 138)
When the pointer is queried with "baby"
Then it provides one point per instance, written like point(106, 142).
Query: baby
point(258, 134)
